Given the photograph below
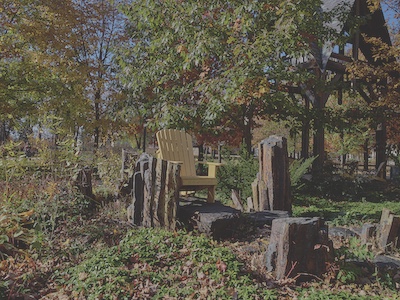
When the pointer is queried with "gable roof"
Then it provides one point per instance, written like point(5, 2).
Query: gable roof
point(374, 26)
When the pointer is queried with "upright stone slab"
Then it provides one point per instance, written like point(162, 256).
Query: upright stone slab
point(298, 246)
point(389, 235)
point(271, 189)
point(368, 233)
point(155, 193)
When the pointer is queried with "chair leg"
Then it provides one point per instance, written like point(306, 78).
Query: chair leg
point(211, 194)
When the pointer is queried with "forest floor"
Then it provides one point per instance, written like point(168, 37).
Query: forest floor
point(55, 244)
point(63, 266)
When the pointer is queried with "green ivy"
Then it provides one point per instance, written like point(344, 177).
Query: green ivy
point(157, 264)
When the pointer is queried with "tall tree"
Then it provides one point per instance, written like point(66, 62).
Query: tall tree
point(382, 77)
point(208, 61)
point(56, 57)
point(99, 30)
point(36, 69)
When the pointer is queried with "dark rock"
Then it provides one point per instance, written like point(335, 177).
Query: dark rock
point(298, 247)
point(342, 232)
point(214, 219)
point(261, 218)
point(384, 261)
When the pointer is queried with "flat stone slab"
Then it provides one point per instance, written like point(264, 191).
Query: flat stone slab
point(261, 218)
point(214, 219)
point(343, 232)
point(384, 261)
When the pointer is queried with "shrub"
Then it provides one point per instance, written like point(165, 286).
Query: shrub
point(14, 232)
point(237, 174)
point(297, 169)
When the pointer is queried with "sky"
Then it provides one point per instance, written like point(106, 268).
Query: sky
point(390, 16)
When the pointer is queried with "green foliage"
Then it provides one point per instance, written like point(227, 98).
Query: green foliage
point(353, 249)
point(334, 184)
point(343, 212)
point(13, 162)
point(237, 174)
point(348, 218)
point(306, 206)
point(15, 233)
point(206, 63)
point(108, 170)
point(317, 294)
point(386, 278)
point(59, 162)
point(297, 169)
point(157, 264)
point(349, 273)
point(348, 255)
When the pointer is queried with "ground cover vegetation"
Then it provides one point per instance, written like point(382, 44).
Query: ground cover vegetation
point(95, 75)
point(56, 243)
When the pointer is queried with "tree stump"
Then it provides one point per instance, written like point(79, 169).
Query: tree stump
point(389, 235)
point(84, 182)
point(299, 247)
point(271, 189)
point(368, 233)
point(155, 193)
point(127, 170)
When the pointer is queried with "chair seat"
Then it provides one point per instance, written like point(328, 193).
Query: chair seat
point(198, 181)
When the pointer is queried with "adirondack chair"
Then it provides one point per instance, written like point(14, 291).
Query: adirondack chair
point(176, 146)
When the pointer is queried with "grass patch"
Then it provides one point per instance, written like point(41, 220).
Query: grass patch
point(342, 212)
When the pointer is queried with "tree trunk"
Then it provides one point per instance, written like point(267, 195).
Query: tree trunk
point(305, 132)
point(247, 127)
point(298, 247)
point(319, 140)
point(138, 140)
point(366, 154)
point(144, 139)
point(97, 119)
point(201, 170)
point(4, 133)
point(381, 146)
point(305, 140)
point(127, 170)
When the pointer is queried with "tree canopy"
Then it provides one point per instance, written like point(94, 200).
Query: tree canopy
point(215, 66)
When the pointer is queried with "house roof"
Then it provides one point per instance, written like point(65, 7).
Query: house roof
point(374, 26)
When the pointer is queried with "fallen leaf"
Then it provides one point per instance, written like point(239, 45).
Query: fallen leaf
point(221, 266)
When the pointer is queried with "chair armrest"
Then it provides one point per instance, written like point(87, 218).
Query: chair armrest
point(212, 167)
point(209, 163)
point(214, 163)
point(176, 162)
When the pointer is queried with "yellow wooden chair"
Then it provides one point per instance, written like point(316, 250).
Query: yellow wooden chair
point(176, 146)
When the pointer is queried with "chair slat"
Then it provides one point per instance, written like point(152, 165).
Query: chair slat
point(177, 145)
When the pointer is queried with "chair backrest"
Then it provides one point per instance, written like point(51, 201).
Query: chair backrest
point(176, 145)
